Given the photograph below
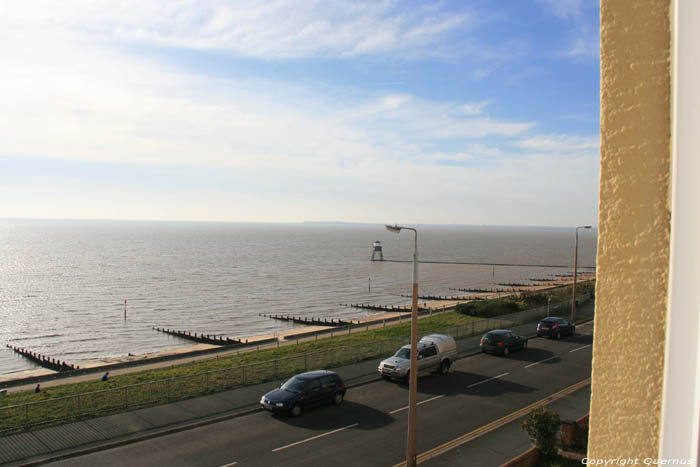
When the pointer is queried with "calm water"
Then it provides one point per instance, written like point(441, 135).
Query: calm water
point(63, 283)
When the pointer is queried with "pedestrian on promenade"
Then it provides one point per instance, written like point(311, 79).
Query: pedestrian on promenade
point(37, 389)
point(105, 377)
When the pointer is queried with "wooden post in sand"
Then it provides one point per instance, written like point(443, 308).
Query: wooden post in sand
point(124, 310)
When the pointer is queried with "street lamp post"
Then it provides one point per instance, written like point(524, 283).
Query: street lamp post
point(413, 372)
point(573, 294)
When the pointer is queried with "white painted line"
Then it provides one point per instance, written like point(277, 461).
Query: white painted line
point(541, 361)
point(229, 465)
point(487, 380)
point(579, 348)
point(314, 437)
point(419, 403)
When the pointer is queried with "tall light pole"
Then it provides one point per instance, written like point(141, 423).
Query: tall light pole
point(573, 294)
point(413, 372)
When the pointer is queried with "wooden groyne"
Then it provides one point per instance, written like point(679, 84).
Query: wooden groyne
point(374, 307)
point(201, 338)
point(496, 290)
point(308, 320)
point(43, 360)
point(446, 297)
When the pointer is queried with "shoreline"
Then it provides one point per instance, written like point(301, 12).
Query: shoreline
point(265, 340)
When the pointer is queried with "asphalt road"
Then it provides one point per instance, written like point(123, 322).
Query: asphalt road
point(369, 428)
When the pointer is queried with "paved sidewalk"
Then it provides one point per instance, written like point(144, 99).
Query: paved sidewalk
point(104, 432)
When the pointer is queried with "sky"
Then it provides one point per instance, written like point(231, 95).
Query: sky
point(431, 112)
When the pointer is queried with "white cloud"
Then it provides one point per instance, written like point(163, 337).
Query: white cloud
point(474, 108)
point(584, 39)
point(253, 28)
point(587, 45)
point(69, 91)
point(564, 8)
point(560, 143)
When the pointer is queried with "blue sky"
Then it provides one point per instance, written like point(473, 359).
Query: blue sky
point(459, 112)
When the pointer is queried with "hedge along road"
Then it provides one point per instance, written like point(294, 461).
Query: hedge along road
point(369, 428)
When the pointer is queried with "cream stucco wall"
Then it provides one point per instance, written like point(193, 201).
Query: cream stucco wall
point(634, 226)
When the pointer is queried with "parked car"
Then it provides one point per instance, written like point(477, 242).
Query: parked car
point(304, 391)
point(555, 327)
point(502, 341)
point(435, 354)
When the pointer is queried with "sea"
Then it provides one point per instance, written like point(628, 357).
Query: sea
point(64, 283)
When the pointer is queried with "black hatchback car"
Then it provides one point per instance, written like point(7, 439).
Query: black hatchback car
point(502, 341)
point(305, 390)
point(555, 327)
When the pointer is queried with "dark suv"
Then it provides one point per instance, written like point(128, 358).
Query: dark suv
point(555, 327)
point(305, 390)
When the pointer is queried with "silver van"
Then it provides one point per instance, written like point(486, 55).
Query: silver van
point(435, 354)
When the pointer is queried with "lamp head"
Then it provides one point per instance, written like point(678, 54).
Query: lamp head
point(393, 228)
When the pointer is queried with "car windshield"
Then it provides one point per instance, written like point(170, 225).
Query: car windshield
point(296, 385)
point(403, 353)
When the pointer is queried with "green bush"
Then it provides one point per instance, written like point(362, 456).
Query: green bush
point(532, 300)
point(488, 308)
point(543, 428)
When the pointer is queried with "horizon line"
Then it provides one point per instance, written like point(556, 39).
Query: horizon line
point(199, 221)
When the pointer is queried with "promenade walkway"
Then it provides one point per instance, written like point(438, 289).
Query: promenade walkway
point(57, 442)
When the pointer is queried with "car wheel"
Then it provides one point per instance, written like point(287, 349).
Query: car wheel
point(505, 351)
point(444, 367)
point(296, 410)
point(338, 398)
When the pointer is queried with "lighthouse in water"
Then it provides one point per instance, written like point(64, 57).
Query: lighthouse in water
point(377, 250)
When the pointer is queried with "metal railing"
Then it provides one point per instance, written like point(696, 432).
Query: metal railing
point(85, 405)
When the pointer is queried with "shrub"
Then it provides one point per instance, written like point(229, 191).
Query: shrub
point(533, 300)
point(488, 308)
point(543, 427)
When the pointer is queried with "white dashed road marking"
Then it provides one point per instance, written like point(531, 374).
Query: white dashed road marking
point(487, 380)
point(419, 403)
point(541, 361)
point(314, 437)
